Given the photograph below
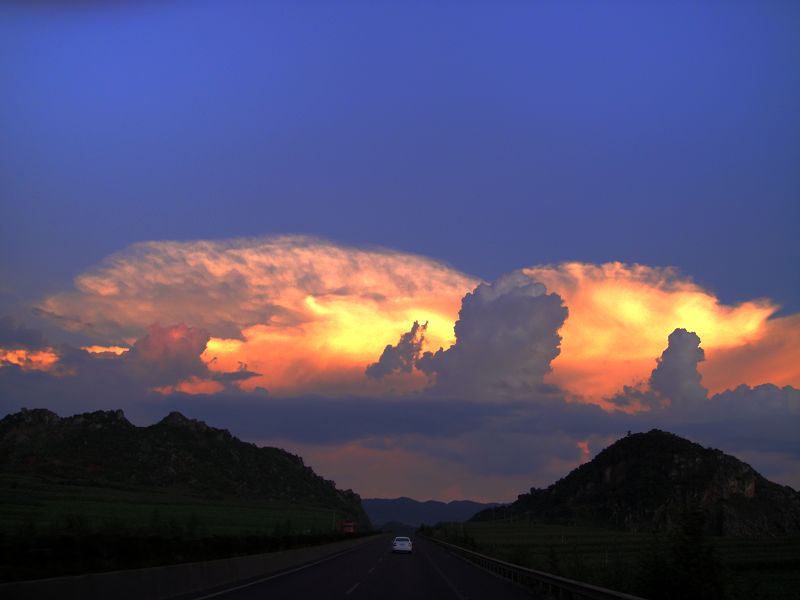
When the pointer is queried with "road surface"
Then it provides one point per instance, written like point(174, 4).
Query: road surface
point(372, 571)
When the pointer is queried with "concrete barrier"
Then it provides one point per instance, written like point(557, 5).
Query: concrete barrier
point(161, 583)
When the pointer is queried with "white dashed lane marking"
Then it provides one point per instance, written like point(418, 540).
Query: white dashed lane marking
point(352, 589)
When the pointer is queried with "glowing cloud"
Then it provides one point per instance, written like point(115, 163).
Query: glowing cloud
point(29, 360)
point(309, 316)
point(306, 314)
point(506, 338)
point(194, 385)
point(95, 349)
point(620, 314)
point(772, 358)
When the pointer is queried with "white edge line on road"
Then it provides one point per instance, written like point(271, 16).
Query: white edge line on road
point(274, 576)
point(352, 589)
point(446, 579)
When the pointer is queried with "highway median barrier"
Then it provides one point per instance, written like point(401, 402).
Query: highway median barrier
point(554, 585)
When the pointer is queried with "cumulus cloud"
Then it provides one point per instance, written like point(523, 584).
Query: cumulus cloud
point(506, 337)
point(675, 382)
point(675, 389)
point(167, 355)
point(760, 420)
point(676, 377)
point(620, 315)
point(402, 356)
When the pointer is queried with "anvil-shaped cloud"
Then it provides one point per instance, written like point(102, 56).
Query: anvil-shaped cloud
point(307, 314)
point(371, 357)
point(310, 315)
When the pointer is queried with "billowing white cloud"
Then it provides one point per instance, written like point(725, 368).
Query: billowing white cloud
point(676, 377)
point(506, 337)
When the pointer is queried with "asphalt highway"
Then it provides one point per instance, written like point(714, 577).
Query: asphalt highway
point(372, 571)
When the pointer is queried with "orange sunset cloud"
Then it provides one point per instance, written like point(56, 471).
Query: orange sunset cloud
point(620, 316)
point(193, 385)
point(96, 349)
point(307, 316)
point(29, 360)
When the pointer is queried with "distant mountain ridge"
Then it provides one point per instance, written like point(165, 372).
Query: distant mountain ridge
point(103, 448)
point(414, 513)
point(648, 481)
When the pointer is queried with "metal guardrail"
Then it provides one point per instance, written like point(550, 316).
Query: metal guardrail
point(554, 585)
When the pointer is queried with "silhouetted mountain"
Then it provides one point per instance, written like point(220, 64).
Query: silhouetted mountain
point(650, 480)
point(103, 448)
point(396, 528)
point(414, 513)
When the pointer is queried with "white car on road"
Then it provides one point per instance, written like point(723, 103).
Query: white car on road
point(401, 544)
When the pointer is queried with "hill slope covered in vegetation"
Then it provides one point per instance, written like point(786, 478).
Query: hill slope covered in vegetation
point(648, 481)
point(178, 454)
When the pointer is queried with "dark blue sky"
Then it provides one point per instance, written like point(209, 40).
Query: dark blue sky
point(489, 135)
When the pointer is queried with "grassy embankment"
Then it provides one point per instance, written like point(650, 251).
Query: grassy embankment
point(641, 563)
point(50, 527)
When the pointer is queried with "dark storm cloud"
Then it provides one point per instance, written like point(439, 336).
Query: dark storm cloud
point(241, 375)
point(402, 356)
point(764, 417)
point(516, 439)
point(15, 335)
point(166, 355)
point(327, 421)
point(81, 380)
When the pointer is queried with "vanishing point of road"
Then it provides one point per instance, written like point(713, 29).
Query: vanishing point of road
point(370, 570)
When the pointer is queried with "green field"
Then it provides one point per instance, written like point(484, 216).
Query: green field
point(50, 528)
point(749, 568)
point(30, 502)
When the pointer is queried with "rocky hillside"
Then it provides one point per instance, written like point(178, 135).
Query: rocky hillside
point(649, 480)
point(104, 448)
